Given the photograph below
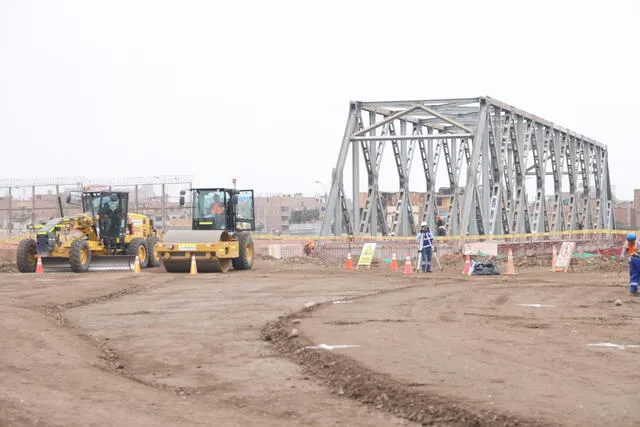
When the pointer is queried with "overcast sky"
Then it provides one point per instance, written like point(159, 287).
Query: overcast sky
point(260, 90)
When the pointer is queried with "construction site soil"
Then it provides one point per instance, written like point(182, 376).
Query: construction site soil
point(304, 342)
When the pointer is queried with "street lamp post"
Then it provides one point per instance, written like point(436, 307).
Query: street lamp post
point(324, 187)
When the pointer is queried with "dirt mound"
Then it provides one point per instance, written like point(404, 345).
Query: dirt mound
point(307, 260)
point(8, 258)
point(347, 378)
point(6, 267)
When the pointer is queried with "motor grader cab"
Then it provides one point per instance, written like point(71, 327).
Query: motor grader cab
point(105, 236)
point(220, 237)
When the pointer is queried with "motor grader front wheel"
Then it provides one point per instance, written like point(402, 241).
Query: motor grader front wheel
point(26, 255)
point(246, 251)
point(152, 246)
point(79, 256)
point(138, 247)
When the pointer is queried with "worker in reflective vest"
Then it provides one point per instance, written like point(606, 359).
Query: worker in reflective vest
point(630, 249)
point(426, 239)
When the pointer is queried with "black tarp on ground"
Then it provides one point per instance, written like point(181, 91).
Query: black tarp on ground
point(484, 269)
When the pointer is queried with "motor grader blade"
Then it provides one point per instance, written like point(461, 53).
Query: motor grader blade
point(98, 263)
point(208, 246)
point(112, 263)
point(55, 265)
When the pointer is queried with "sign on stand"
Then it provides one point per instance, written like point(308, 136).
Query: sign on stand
point(367, 255)
point(564, 256)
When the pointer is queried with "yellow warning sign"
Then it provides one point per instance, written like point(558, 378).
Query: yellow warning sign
point(367, 254)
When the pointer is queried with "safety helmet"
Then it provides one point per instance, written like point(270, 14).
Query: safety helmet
point(439, 218)
point(631, 237)
point(423, 224)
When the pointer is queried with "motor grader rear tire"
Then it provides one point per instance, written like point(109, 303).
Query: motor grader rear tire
point(154, 259)
point(245, 258)
point(138, 247)
point(27, 257)
point(79, 256)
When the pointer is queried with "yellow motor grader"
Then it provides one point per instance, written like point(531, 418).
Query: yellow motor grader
point(104, 237)
point(219, 238)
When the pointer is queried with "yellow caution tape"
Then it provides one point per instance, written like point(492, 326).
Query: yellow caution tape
point(446, 238)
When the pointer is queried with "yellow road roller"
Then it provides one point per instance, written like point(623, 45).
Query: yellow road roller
point(220, 235)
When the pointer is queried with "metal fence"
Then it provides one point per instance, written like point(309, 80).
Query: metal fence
point(337, 248)
point(26, 202)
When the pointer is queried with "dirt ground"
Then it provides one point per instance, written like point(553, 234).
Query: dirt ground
point(154, 348)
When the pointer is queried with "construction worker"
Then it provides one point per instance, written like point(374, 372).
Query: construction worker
point(217, 210)
point(426, 239)
point(630, 249)
point(105, 216)
point(308, 248)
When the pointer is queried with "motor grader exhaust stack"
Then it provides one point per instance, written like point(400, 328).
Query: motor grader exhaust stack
point(220, 237)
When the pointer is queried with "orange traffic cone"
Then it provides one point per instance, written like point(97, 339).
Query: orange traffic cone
point(407, 266)
point(511, 268)
point(467, 265)
point(348, 265)
point(394, 262)
point(194, 266)
point(136, 266)
point(39, 268)
point(554, 258)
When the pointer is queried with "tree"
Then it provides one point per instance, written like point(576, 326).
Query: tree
point(304, 215)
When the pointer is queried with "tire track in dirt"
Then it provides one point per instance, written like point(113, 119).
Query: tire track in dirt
point(346, 377)
point(112, 361)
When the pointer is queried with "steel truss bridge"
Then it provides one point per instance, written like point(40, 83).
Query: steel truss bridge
point(489, 149)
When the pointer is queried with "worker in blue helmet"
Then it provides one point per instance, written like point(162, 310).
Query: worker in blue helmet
point(630, 249)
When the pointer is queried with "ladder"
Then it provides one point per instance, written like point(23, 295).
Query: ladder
point(584, 172)
point(569, 150)
point(556, 181)
point(430, 173)
point(595, 168)
point(372, 191)
point(345, 210)
point(520, 215)
point(497, 195)
point(539, 203)
point(404, 169)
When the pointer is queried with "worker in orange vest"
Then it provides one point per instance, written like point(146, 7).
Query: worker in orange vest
point(631, 250)
point(308, 248)
point(630, 247)
point(217, 209)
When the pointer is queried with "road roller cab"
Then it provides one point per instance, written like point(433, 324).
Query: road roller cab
point(222, 219)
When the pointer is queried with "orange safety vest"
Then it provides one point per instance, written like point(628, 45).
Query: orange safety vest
point(631, 248)
point(217, 209)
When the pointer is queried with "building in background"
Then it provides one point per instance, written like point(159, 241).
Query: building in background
point(289, 214)
point(416, 198)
